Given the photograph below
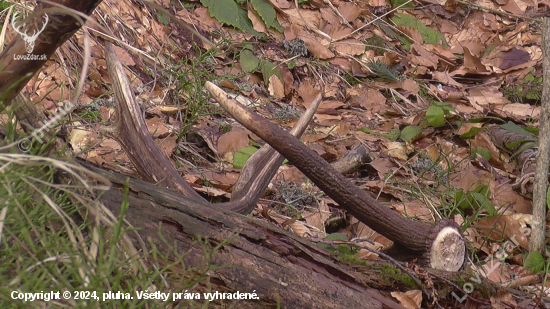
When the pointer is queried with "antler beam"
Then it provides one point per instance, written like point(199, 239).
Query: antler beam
point(440, 246)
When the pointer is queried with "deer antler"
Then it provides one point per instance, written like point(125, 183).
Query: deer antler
point(440, 246)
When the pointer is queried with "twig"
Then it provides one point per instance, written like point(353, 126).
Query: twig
point(370, 22)
point(310, 26)
point(337, 12)
point(523, 281)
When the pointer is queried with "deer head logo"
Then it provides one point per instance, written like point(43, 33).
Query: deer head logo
point(29, 40)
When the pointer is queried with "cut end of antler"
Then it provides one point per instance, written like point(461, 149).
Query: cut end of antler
point(448, 250)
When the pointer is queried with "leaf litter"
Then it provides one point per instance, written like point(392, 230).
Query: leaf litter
point(401, 82)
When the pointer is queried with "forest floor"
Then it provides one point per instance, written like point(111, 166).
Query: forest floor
point(414, 82)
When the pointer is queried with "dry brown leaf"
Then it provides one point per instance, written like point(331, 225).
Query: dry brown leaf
point(232, 141)
point(319, 217)
point(473, 62)
point(157, 127)
point(465, 128)
point(502, 299)
point(483, 140)
point(410, 299)
point(507, 228)
point(167, 145)
point(518, 111)
point(503, 195)
point(505, 58)
point(395, 149)
point(441, 52)
point(414, 208)
point(469, 177)
point(445, 78)
point(343, 129)
point(342, 63)
point(313, 17)
point(316, 48)
point(276, 87)
point(308, 93)
point(423, 57)
point(485, 97)
point(413, 33)
point(288, 80)
point(289, 174)
point(476, 240)
point(281, 4)
point(527, 65)
point(211, 191)
point(493, 270)
point(367, 137)
point(371, 100)
point(452, 95)
point(298, 228)
point(313, 138)
point(411, 86)
point(364, 232)
point(349, 47)
point(81, 140)
point(383, 166)
point(329, 107)
point(327, 120)
point(339, 32)
point(192, 178)
point(257, 22)
point(330, 19)
point(349, 10)
point(512, 7)
point(365, 254)
point(221, 180)
point(110, 144)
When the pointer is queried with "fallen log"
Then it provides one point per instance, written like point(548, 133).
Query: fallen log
point(259, 257)
point(279, 266)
